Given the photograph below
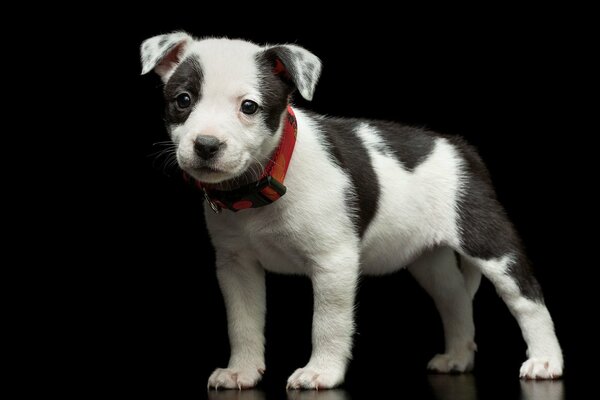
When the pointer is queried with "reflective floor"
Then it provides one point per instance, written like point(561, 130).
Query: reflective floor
point(440, 387)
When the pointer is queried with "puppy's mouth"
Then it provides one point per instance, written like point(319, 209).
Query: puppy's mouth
point(209, 173)
point(207, 169)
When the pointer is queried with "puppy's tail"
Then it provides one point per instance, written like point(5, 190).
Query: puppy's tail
point(471, 274)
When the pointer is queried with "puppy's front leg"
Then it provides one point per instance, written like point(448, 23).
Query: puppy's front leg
point(242, 283)
point(334, 280)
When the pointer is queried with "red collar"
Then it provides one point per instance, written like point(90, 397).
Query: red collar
point(268, 188)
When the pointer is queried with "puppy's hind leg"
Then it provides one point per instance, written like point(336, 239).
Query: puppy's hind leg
point(511, 275)
point(489, 241)
point(438, 273)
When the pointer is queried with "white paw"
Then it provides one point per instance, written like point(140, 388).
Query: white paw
point(541, 368)
point(452, 362)
point(235, 378)
point(315, 378)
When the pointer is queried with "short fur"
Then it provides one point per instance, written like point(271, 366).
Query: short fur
point(396, 197)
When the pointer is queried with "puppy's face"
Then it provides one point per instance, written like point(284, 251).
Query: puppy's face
point(226, 99)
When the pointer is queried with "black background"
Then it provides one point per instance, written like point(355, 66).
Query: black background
point(512, 84)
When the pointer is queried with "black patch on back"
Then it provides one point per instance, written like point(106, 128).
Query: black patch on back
point(410, 145)
point(485, 230)
point(275, 90)
point(188, 78)
point(349, 152)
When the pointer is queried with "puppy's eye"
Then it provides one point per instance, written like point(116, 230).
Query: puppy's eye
point(183, 100)
point(249, 107)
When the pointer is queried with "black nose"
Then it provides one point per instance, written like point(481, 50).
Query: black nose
point(207, 146)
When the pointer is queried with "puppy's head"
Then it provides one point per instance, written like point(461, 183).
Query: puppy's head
point(226, 99)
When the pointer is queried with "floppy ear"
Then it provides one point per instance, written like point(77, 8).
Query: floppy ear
point(164, 52)
point(297, 66)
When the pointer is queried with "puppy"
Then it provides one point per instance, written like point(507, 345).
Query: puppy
point(298, 193)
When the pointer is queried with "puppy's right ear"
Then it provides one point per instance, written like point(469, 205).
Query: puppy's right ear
point(297, 66)
point(164, 52)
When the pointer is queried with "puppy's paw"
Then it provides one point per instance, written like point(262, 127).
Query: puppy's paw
point(235, 378)
point(455, 362)
point(315, 378)
point(541, 368)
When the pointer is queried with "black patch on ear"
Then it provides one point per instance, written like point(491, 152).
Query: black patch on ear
point(348, 151)
point(485, 230)
point(310, 67)
point(410, 145)
point(187, 77)
point(274, 89)
point(288, 58)
point(163, 41)
point(307, 76)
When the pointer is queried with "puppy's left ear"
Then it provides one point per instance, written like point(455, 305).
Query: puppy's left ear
point(297, 66)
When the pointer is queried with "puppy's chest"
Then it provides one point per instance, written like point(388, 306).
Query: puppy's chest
point(274, 242)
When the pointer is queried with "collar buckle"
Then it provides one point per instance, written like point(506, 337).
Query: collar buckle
point(213, 206)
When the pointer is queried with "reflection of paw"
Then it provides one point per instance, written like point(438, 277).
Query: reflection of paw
point(452, 362)
point(234, 378)
point(330, 394)
point(315, 378)
point(541, 368)
point(249, 394)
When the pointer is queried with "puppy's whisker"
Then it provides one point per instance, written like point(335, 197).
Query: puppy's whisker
point(257, 168)
point(161, 153)
point(163, 143)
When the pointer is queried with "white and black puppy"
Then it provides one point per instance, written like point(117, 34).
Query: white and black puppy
point(388, 197)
